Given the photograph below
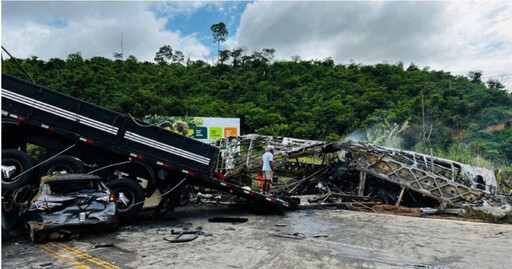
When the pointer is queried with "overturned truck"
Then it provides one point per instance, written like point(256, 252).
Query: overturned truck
point(349, 171)
point(135, 159)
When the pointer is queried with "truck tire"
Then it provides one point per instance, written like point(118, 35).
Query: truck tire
point(62, 164)
point(9, 207)
point(20, 162)
point(130, 197)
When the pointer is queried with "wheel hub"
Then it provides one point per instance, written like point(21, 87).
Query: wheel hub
point(8, 171)
point(123, 199)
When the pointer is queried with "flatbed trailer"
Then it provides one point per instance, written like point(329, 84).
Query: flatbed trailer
point(100, 137)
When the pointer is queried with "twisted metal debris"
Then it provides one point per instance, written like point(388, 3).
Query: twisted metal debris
point(340, 172)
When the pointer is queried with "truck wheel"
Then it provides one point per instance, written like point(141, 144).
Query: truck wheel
point(62, 164)
point(15, 162)
point(9, 207)
point(130, 197)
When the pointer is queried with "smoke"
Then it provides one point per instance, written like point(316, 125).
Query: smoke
point(357, 136)
point(382, 134)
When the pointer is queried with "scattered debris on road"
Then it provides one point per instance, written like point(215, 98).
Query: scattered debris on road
point(320, 235)
point(290, 235)
point(228, 219)
point(179, 236)
point(106, 245)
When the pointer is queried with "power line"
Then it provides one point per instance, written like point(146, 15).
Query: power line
point(502, 75)
point(16, 61)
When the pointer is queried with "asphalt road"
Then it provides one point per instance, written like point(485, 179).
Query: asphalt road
point(354, 240)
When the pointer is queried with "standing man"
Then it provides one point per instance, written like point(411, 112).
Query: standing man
point(267, 169)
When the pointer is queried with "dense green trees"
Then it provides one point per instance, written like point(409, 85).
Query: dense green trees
point(167, 55)
point(315, 99)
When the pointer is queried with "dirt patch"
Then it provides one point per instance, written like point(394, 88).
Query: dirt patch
point(396, 210)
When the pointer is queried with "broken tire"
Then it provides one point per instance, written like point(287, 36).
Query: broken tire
point(20, 162)
point(130, 197)
point(62, 164)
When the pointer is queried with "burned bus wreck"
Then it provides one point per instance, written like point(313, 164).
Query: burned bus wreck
point(343, 172)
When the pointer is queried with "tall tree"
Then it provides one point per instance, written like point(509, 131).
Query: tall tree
point(178, 57)
point(219, 32)
point(164, 55)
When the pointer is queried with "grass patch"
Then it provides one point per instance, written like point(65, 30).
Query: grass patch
point(476, 214)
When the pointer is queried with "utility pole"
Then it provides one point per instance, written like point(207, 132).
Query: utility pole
point(122, 48)
point(423, 113)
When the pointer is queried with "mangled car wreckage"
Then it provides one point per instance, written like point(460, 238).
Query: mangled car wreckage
point(348, 171)
point(68, 203)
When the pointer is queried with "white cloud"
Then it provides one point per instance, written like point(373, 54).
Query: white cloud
point(452, 36)
point(171, 9)
point(56, 29)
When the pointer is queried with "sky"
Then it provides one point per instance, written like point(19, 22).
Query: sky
point(454, 36)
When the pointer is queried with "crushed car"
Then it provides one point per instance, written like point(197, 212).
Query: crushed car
point(65, 204)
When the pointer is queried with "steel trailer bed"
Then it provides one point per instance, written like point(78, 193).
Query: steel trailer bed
point(54, 120)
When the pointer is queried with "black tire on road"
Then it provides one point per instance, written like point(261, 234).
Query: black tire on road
point(22, 162)
point(60, 164)
point(133, 192)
